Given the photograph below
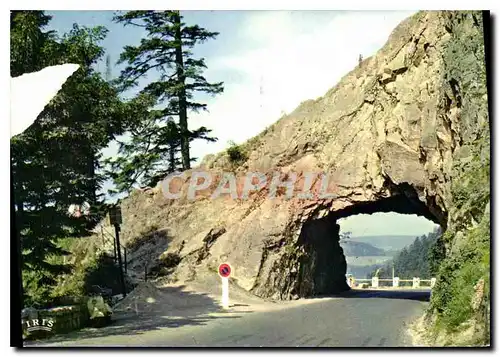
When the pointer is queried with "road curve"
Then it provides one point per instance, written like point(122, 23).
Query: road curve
point(359, 318)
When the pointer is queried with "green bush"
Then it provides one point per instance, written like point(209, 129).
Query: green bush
point(236, 153)
point(104, 272)
point(458, 309)
point(458, 275)
point(463, 261)
point(35, 293)
point(100, 270)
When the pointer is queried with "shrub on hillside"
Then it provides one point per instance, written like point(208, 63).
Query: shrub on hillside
point(236, 153)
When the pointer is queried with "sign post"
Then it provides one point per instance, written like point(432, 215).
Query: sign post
point(115, 219)
point(224, 273)
point(225, 293)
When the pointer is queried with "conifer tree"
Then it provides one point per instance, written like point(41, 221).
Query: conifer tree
point(162, 131)
point(54, 161)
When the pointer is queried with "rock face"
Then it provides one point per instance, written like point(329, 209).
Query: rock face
point(386, 135)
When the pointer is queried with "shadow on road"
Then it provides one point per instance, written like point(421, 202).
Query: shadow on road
point(420, 295)
point(171, 308)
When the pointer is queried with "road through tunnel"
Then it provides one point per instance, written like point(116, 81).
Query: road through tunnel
point(315, 264)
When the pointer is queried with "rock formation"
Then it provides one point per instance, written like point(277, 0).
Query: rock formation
point(387, 135)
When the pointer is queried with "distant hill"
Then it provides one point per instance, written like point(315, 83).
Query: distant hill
point(413, 260)
point(362, 271)
point(361, 249)
point(362, 257)
point(386, 242)
point(367, 260)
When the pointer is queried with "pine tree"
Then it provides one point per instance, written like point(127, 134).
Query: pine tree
point(436, 254)
point(29, 44)
point(29, 49)
point(54, 161)
point(417, 260)
point(156, 135)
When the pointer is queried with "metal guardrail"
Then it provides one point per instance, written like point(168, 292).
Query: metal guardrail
point(390, 280)
point(395, 282)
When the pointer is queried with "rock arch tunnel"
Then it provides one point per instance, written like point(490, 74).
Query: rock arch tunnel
point(316, 265)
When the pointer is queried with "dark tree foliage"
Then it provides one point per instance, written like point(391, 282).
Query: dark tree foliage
point(104, 272)
point(30, 46)
point(415, 260)
point(160, 130)
point(55, 161)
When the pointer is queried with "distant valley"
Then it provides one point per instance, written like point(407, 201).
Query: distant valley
point(365, 253)
point(386, 242)
point(354, 248)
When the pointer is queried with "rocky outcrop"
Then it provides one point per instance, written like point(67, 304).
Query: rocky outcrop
point(386, 135)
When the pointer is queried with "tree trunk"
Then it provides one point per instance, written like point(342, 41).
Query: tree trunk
point(93, 196)
point(181, 79)
point(16, 256)
point(18, 202)
point(91, 164)
point(171, 151)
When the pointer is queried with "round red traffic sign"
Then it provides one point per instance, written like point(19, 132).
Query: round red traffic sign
point(224, 270)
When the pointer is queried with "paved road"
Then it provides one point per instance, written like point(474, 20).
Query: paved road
point(357, 319)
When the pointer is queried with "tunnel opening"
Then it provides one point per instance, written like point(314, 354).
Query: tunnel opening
point(322, 264)
point(387, 245)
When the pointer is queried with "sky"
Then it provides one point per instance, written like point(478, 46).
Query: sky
point(270, 62)
point(381, 223)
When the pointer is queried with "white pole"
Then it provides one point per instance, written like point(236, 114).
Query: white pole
point(433, 282)
point(416, 283)
point(225, 293)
